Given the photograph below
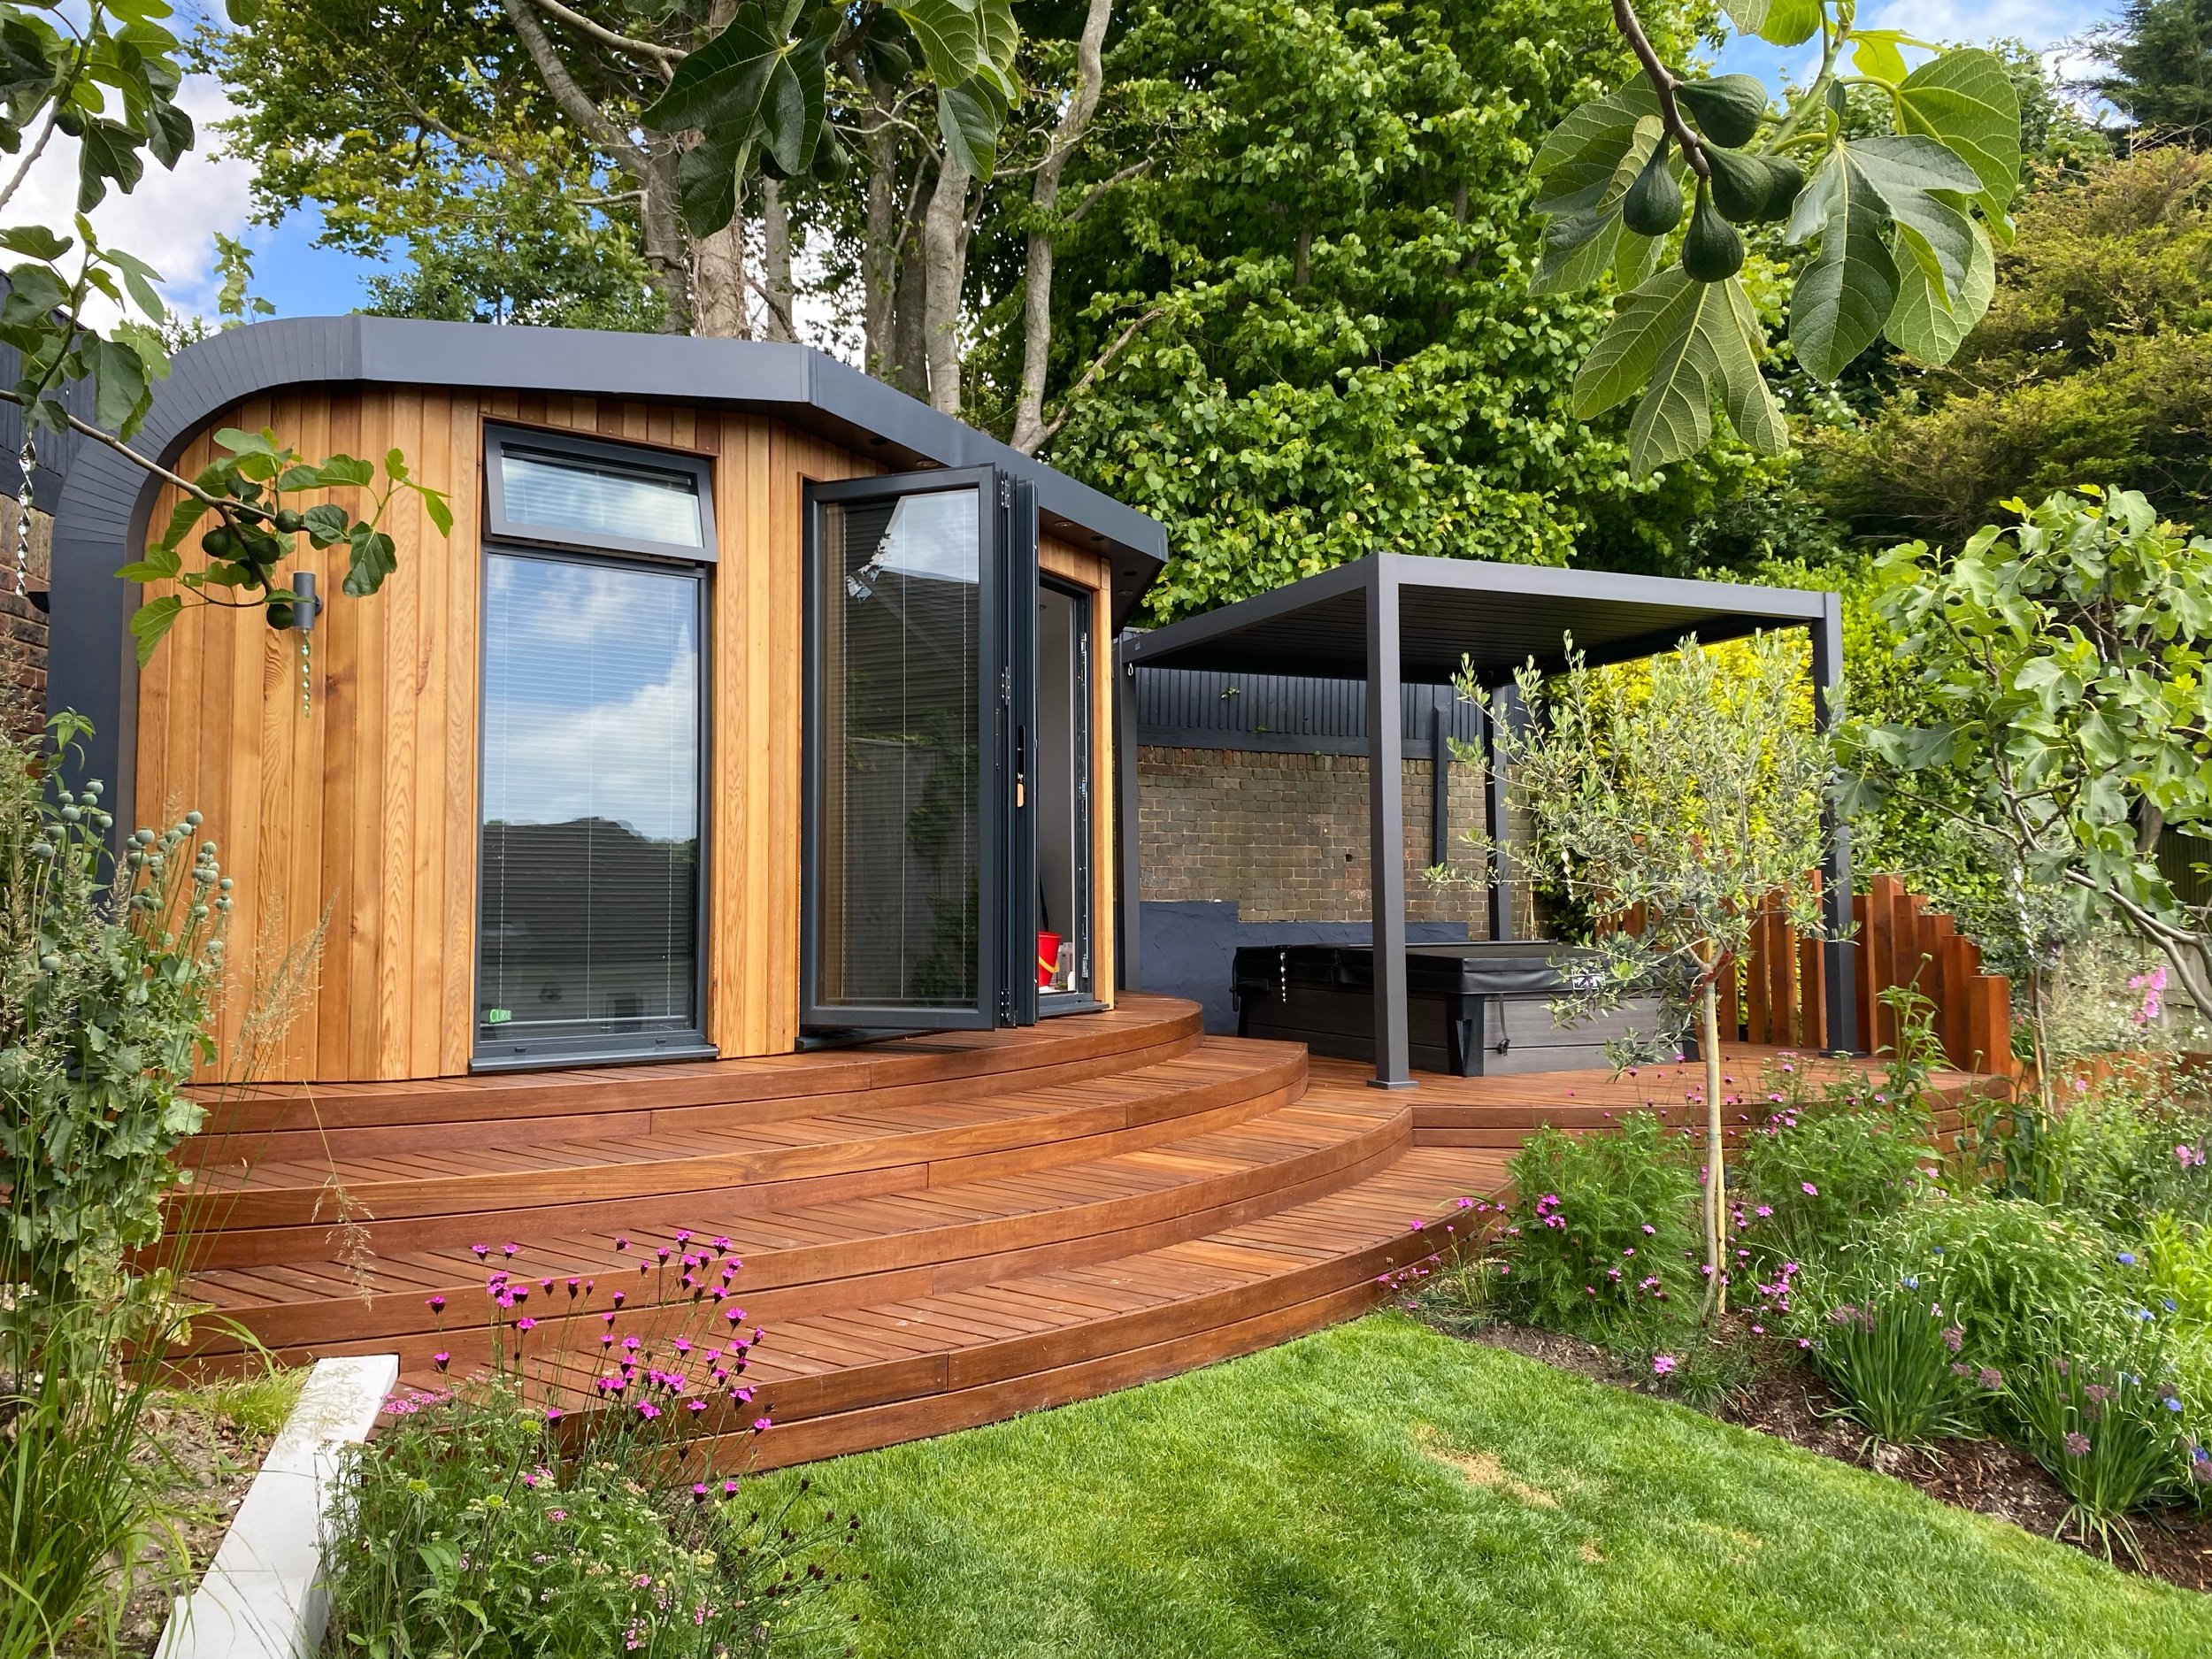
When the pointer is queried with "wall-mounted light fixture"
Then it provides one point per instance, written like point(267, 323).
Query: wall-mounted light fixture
point(302, 610)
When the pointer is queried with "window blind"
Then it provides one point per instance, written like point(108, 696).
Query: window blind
point(591, 811)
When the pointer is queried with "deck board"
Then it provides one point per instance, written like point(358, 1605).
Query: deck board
point(933, 1232)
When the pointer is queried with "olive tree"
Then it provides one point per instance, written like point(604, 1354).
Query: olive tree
point(1672, 804)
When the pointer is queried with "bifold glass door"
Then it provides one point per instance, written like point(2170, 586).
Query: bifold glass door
point(589, 931)
point(912, 752)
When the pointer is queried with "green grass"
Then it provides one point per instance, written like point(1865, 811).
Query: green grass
point(1306, 1501)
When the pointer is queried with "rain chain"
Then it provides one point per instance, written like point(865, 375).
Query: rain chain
point(29, 460)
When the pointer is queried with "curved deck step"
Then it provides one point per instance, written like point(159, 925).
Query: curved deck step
point(312, 1121)
point(902, 1369)
point(285, 1210)
point(817, 1260)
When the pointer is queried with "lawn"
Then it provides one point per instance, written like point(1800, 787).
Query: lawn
point(1382, 1489)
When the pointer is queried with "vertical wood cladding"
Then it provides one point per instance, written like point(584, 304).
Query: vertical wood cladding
point(360, 816)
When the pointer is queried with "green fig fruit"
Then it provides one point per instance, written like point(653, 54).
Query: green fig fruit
point(1711, 249)
point(218, 542)
point(1741, 185)
point(1787, 180)
point(1727, 109)
point(289, 520)
point(279, 613)
point(1653, 205)
point(829, 156)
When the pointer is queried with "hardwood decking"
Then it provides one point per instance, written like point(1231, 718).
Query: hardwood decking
point(935, 1232)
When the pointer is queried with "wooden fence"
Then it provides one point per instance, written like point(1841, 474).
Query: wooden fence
point(1776, 992)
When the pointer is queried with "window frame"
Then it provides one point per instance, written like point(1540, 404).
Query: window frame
point(498, 526)
point(691, 1042)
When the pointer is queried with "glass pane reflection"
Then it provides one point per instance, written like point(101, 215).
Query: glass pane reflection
point(590, 877)
point(897, 786)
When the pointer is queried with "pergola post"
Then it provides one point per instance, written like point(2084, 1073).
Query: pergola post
point(1504, 711)
point(1835, 875)
point(1127, 865)
point(1386, 825)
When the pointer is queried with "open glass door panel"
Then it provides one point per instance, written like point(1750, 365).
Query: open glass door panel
point(904, 675)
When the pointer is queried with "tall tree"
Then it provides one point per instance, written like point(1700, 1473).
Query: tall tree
point(2094, 362)
point(2160, 74)
point(1292, 307)
point(681, 120)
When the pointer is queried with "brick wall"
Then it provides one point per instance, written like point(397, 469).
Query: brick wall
point(22, 625)
point(1286, 835)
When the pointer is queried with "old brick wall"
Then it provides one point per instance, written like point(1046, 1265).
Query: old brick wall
point(23, 632)
point(1286, 835)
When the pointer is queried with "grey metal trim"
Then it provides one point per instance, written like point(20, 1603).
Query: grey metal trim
point(498, 526)
point(106, 501)
point(1746, 608)
point(1841, 948)
point(509, 1055)
point(1128, 870)
point(1386, 828)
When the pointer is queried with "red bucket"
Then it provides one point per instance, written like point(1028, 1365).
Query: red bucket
point(1047, 957)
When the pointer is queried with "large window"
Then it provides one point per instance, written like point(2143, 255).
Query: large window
point(588, 933)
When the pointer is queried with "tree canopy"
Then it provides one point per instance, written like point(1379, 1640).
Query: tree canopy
point(1327, 263)
point(2093, 363)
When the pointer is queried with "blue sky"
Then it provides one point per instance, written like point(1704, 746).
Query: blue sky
point(170, 220)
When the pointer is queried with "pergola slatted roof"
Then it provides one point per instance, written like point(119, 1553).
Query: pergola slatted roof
point(1395, 619)
point(1500, 616)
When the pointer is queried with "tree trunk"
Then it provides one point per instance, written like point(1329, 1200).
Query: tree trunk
point(1090, 80)
point(776, 262)
point(1715, 1148)
point(944, 260)
point(666, 247)
point(908, 366)
point(718, 284)
point(881, 237)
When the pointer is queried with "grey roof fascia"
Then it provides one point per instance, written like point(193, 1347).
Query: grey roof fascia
point(1176, 637)
point(1733, 609)
point(104, 504)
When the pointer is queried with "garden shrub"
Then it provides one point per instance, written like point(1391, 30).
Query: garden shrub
point(2120, 1149)
point(1880, 1338)
point(2009, 1272)
point(107, 979)
point(485, 1521)
point(1826, 1164)
point(2103, 1412)
point(1600, 1239)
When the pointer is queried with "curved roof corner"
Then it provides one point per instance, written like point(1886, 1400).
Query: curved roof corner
point(105, 500)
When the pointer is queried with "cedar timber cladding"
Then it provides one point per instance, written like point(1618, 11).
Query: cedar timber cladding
point(362, 815)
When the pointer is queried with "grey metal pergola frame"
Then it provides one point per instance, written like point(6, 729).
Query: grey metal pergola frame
point(1354, 623)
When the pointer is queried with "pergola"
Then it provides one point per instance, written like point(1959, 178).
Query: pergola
point(1394, 620)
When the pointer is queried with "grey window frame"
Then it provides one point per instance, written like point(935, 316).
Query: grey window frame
point(615, 1049)
point(498, 438)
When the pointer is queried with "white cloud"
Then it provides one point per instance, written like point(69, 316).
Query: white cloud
point(170, 220)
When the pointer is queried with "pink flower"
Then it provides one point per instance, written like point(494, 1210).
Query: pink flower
point(525, 1325)
point(479, 1250)
point(436, 1304)
point(440, 1358)
point(621, 1243)
point(510, 1251)
point(553, 1415)
point(1662, 1365)
point(761, 1426)
point(1811, 1191)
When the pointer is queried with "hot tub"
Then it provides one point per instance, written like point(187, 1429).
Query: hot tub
point(1473, 1010)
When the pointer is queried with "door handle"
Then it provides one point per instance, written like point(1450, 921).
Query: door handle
point(1021, 767)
